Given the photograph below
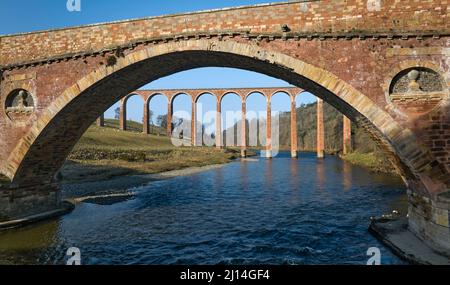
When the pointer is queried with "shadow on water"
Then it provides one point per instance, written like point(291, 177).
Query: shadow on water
point(263, 211)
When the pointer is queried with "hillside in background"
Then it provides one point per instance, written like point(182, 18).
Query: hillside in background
point(135, 127)
point(333, 120)
point(365, 151)
point(307, 130)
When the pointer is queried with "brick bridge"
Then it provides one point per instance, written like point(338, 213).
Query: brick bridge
point(383, 64)
point(242, 93)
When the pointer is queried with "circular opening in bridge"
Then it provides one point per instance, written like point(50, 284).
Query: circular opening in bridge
point(416, 79)
point(20, 99)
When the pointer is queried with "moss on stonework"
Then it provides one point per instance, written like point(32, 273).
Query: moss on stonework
point(4, 218)
point(4, 180)
point(445, 195)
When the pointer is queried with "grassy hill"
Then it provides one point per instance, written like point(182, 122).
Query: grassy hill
point(136, 127)
point(103, 153)
point(110, 137)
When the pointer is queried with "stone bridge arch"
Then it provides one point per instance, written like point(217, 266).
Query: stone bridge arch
point(343, 57)
point(50, 131)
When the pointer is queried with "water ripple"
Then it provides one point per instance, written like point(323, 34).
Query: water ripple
point(275, 212)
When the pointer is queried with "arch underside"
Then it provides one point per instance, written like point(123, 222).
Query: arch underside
point(47, 151)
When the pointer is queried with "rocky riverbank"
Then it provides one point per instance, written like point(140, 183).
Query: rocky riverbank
point(104, 153)
point(120, 185)
point(394, 233)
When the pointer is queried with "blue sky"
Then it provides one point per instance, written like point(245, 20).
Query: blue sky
point(18, 16)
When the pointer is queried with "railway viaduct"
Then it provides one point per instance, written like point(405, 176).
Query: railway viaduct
point(243, 94)
point(383, 64)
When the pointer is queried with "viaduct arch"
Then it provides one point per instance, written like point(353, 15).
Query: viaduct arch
point(219, 94)
point(50, 96)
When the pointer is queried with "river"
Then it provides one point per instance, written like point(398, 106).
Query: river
point(279, 211)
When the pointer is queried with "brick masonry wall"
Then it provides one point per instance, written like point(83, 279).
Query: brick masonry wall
point(326, 16)
point(363, 62)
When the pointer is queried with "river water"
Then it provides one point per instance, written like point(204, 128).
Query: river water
point(279, 211)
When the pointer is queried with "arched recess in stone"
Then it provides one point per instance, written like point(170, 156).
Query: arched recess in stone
point(53, 132)
point(434, 99)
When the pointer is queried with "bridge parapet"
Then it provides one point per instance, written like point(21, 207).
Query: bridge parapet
point(326, 19)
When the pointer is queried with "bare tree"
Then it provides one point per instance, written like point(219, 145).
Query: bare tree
point(162, 121)
point(117, 113)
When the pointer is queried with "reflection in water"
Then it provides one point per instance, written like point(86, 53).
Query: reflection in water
point(294, 181)
point(31, 238)
point(321, 187)
point(269, 172)
point(347, 175)
point(244, 174)
point(278, 211)
point(218, 178)
point(28, 245)
point(320, 173)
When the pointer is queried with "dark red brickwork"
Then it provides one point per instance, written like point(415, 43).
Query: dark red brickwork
point(436, 134)
point(328, 16)
point(330, 44)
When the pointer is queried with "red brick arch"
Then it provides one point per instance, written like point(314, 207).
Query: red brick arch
point(51, 129)
point(153, 95)
point(289, 94)
point(238, 94)
point(174, 96)
point(256, 91)
point(211, 93)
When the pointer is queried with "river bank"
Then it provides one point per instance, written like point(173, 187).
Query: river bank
point(146, 162)
point(119, 185)
point(371, 161)
point(104, 153)
point(394, 233)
